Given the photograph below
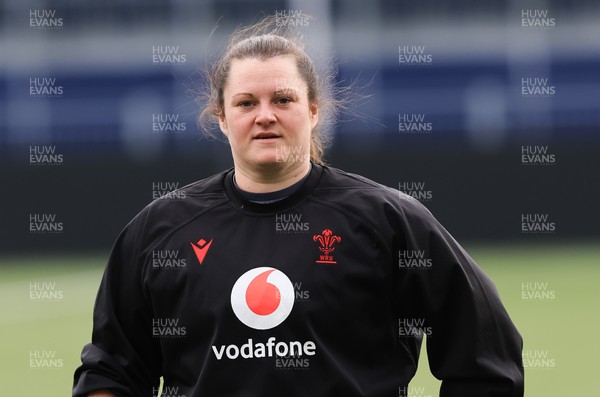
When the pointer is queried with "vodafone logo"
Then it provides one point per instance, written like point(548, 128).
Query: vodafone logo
point(262, 298)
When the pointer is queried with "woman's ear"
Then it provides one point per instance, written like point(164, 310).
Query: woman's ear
point(314, 114)
point(223, 123)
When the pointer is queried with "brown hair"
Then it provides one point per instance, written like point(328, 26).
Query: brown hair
point(264, 40)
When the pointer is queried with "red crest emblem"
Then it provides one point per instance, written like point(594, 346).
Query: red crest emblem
point(326, 240)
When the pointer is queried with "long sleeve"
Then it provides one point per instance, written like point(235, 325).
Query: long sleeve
point(122, 357)
point(473, 346)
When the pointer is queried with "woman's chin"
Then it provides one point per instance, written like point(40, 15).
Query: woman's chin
point(267, 157)
point(268, 160)
point(275, 159)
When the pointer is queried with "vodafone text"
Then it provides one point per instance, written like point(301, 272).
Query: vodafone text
point(259, 350)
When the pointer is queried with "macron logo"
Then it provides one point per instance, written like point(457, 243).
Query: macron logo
point(201, 248)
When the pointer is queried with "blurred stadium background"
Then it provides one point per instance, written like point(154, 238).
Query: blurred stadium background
point(505, 95)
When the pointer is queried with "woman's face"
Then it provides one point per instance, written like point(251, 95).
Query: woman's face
point(266, 113)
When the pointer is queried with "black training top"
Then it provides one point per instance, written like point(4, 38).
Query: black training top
point(326, 292)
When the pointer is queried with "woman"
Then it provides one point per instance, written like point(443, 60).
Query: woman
point(293, 278)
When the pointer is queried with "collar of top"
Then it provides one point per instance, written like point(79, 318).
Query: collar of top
point(292, 200)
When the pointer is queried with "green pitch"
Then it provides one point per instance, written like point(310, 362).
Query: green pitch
point(551, 293)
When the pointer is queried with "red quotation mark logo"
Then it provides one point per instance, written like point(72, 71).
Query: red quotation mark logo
point(262, 298)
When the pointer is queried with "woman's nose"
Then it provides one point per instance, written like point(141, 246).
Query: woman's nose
point(265, 115)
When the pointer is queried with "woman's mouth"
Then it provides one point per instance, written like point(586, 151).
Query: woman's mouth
point(267, 136)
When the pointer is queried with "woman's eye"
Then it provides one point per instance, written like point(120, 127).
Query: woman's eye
point(245, 104)
point(284, 100)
